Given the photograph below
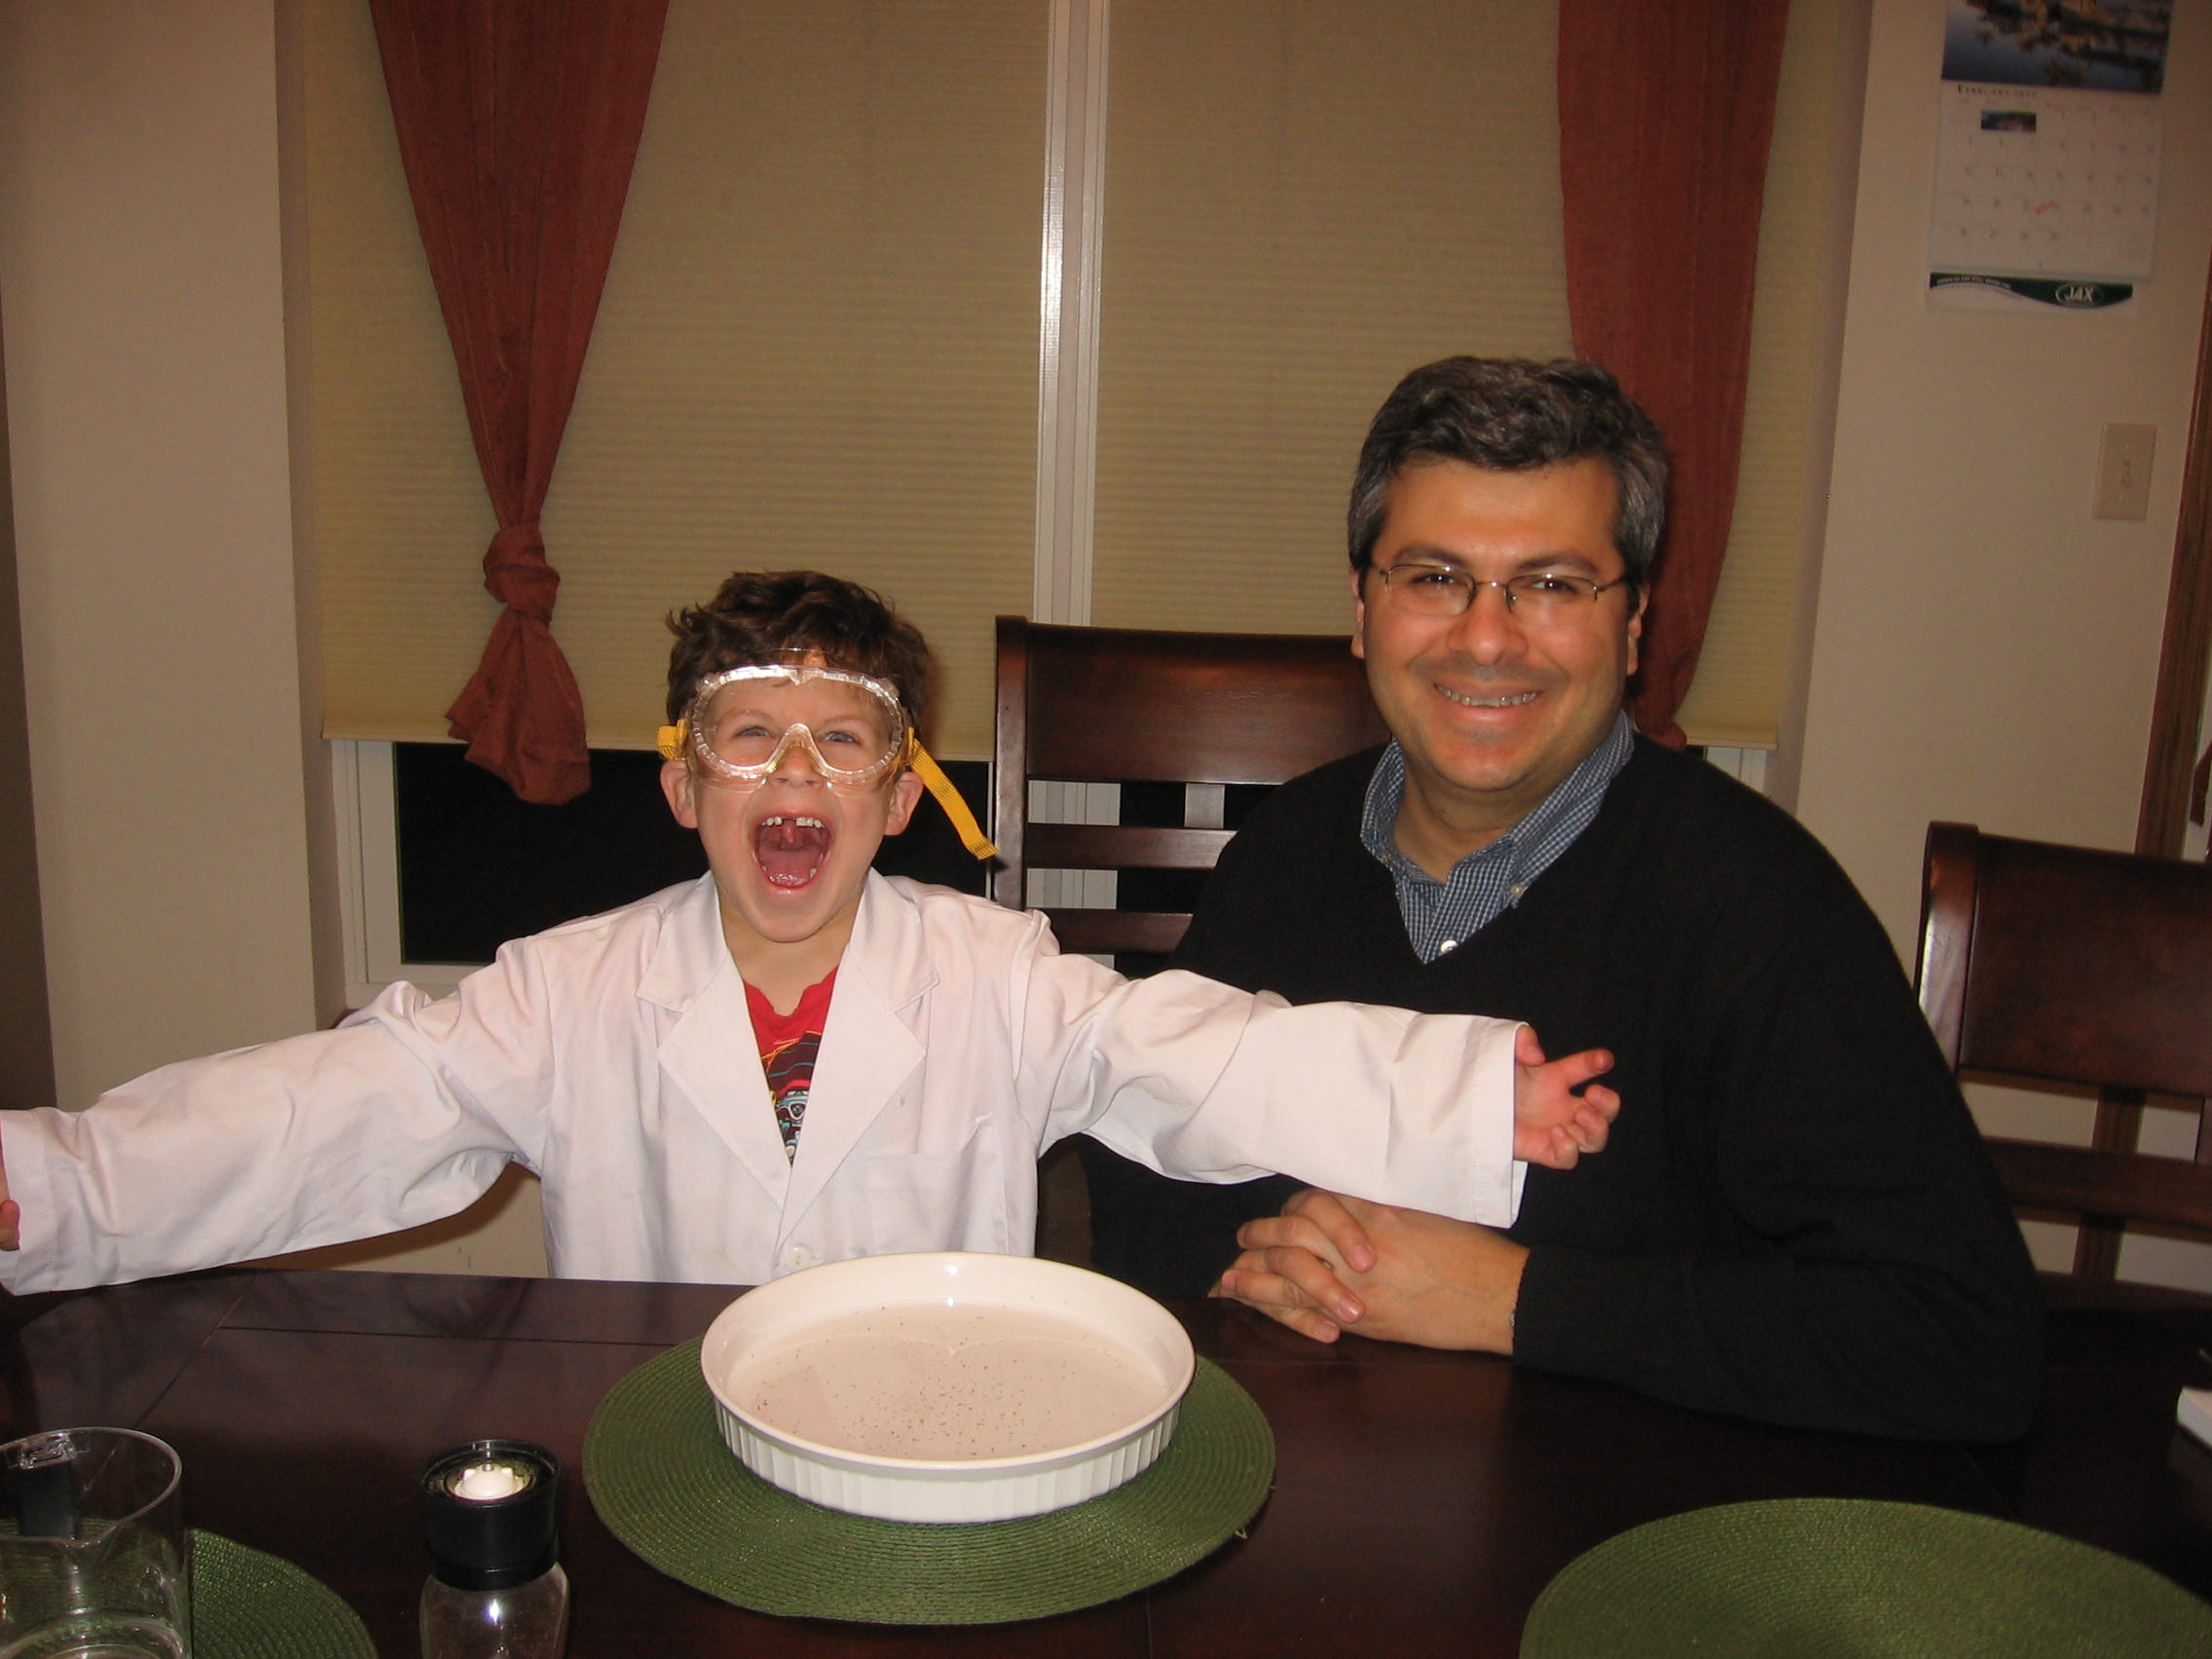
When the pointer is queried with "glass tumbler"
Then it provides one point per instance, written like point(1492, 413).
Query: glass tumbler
point(94, 1558)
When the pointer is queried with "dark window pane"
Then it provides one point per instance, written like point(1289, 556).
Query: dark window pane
point(478, 868)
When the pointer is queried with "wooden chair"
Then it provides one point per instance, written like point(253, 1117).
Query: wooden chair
point(1123, 705)
point(2072, 966)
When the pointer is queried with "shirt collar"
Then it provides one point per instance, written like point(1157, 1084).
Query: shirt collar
point(1574, 796)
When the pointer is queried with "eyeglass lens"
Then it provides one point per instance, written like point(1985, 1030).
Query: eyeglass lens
point(1537, 596)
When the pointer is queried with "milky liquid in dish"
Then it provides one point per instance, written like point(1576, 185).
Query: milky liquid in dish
point(941, 1385)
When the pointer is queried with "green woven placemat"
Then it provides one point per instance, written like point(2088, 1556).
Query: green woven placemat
point(666, 1485)
point(1848, 1578)
point(250, 1606)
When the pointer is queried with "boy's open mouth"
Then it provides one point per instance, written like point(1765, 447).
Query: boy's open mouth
point(792, 849)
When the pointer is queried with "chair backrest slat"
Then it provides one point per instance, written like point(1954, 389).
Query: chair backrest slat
point(1127, 705)
point(2080, 965)
point(1112, 933)
point(1113, 846)
point(2163, 1190)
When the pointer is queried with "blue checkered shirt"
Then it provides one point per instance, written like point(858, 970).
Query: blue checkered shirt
point(1490, 881)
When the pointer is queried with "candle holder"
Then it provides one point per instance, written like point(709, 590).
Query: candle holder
point(495, 1589)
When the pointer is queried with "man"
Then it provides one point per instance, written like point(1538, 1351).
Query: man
point(1796, 1221)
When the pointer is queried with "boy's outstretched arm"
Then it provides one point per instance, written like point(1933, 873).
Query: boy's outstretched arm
point(1553, 1125)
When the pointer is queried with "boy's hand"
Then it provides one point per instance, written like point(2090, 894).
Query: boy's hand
point(10, 1214)
point(1552, 1124)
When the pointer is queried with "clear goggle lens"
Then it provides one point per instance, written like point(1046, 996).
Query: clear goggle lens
point(745, 723)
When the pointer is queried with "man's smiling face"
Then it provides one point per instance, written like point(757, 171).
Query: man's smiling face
point(1492, 709)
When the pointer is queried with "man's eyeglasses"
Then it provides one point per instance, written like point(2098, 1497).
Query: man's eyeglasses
point(1445, 590)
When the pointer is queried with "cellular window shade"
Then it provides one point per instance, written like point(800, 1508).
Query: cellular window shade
point(398, 496)
point(1736, 699)
point(818, 347)
point(1303, 201)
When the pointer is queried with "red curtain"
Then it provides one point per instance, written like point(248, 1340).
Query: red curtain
point(1666, 108)
point(518, 123)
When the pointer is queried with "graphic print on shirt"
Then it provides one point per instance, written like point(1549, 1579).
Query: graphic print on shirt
point(791, 1076)
point(789, 1044)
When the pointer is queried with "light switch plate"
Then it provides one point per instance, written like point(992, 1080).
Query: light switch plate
point(2124, 471)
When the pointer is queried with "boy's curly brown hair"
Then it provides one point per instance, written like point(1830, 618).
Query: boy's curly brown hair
point(758, 614)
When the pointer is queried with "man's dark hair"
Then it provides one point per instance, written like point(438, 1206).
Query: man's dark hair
point(1510, 414)
point(758, 614)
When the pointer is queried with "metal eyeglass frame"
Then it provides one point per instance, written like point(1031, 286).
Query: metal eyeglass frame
point(1511, 588)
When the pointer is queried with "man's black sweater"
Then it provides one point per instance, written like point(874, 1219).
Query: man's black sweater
point(1795, 1218)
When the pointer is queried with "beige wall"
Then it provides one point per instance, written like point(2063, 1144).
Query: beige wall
point(26, 1043)
point(141, 295)
point(1984, 650)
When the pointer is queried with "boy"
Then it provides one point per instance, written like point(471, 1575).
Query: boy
point(788, 1061)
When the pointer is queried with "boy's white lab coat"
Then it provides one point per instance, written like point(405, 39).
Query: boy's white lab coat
point(615, 1056)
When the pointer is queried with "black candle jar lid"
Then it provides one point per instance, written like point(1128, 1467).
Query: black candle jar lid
point(490, 1542)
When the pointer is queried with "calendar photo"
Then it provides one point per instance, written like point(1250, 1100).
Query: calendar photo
point(2103, 46)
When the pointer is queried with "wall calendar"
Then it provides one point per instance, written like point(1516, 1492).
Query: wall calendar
point(2046, 182)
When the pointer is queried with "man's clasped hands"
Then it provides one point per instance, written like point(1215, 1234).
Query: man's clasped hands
point(1330, 1263)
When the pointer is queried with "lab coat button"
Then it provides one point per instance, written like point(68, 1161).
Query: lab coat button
point(796, 1257)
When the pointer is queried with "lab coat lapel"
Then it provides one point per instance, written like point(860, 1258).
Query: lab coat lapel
point(868, 1052)
point(710, 1053)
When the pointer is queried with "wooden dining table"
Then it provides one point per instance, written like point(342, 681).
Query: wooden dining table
point(1422, 1501)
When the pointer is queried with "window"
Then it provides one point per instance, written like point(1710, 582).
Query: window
point(1056, 307)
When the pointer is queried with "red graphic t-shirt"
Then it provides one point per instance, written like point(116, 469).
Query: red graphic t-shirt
point(789, 1044)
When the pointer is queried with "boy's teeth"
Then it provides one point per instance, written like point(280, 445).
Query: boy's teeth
point(791, 848)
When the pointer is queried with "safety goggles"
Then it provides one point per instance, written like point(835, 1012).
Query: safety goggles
point(744, 724)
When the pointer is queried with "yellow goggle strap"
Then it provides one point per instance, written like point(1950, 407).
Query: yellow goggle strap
point(670, 739)
point(933, 780)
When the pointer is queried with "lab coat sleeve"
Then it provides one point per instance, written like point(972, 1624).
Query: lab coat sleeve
point(318, 1139)
point(1200, 1081)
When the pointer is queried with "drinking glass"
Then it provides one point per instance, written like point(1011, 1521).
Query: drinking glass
point(94, 1561)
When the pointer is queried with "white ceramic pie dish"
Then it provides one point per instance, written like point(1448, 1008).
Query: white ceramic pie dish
point(1043, 1333)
